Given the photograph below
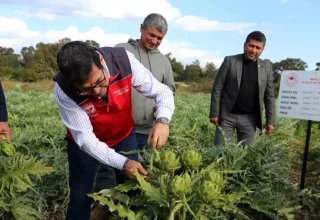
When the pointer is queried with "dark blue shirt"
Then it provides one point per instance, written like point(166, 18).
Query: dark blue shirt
point(3, 107)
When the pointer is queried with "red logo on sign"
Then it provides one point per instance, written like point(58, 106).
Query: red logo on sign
point(291, 80)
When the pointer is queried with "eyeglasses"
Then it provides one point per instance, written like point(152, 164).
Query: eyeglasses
point(97, 85)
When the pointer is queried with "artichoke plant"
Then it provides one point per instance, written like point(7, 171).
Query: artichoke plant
point(7, 148)
point(167, 161)
point(216, 178)
point(178, 186)
point(208, 191)
point(191, 160)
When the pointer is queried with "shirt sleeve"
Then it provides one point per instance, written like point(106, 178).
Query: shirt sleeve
point(3, 107)
point(78, 122)
point(144, 82)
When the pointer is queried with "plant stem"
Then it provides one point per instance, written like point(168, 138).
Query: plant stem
point(174, 210)
point(200, 210)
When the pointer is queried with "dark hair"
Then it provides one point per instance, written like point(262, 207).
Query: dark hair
point(157, 20)
point(75, 60)
point(258, 36)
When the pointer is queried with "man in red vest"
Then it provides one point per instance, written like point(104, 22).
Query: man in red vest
point(93, 93)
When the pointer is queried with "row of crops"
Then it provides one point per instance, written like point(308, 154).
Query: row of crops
point(189, 178)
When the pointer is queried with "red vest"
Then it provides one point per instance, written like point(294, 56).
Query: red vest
point(112, 119)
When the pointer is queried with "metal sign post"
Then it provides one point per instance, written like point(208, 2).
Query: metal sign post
point(305, 157)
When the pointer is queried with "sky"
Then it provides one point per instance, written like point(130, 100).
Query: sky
point(207, 30)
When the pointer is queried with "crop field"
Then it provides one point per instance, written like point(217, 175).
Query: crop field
point(189, 178)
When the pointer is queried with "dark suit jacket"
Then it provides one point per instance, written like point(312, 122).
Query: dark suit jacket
point(3, 108)
point(227, 84)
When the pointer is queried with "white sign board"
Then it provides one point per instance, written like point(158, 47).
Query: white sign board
point(299, 95)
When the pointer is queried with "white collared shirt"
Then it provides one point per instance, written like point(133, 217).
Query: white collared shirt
point(78, 122)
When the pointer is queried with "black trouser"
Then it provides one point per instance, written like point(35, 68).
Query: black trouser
point(82, 171)
point(106, 174)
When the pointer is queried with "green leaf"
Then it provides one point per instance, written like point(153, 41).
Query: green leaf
point(115, 195)
point(22, 209)
point(127, 186)
point(123, 210)
point(153, 193)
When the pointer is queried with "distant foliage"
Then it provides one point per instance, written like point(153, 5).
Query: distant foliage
point(32, 64)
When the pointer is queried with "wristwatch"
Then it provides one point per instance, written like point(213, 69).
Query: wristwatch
point(163, 120)
point(125, 164)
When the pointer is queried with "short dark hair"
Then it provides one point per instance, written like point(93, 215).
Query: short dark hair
point(258, 36)
point(75, 60)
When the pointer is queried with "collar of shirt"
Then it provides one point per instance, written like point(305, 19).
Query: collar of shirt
point(247, 61)
point(104, 64)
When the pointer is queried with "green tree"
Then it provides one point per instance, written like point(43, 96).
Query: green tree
point(210, 70)
point(4, 51)
point(193, 72)
point(43, 64)
point(92, 43)
point(40, 44)
point(291, 64)
point(27, 53)
point(9, 62)
point(177, 67)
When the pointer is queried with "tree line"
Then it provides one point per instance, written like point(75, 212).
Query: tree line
point(39, 63)
point(32, 64)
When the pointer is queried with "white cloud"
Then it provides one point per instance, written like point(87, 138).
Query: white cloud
point(194, 23)
point(284, 1)
point(44, 14)
point(15, 26)
point(15, 32)
point(187, 53)
point(17, 35)
point(116, 9)
point(94, 33)
point(266, 30)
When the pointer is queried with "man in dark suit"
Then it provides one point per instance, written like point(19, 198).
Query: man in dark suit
point(4, 127)
point(243, 84)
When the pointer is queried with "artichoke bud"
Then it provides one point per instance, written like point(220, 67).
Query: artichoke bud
point(168, 161)
point(7, 148)
point(191, 159)
point(187, 179)
point(208, 191)
point(178, 186)
point(216, 178)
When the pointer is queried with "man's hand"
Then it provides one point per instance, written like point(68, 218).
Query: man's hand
point(5, 130)
point(133, 166)
point(158, 136)
point(269, 129)
point(214, 121)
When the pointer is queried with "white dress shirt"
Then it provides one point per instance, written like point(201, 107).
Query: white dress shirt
point(78, 122)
